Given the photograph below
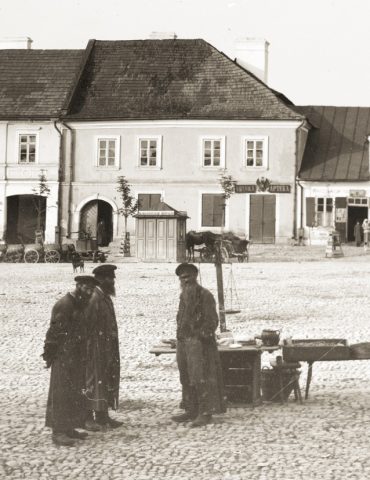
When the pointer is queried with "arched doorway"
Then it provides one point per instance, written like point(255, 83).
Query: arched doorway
point(25, 215)
point(96, 221)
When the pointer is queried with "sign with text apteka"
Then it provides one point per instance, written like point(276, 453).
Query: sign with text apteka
point(279, 188)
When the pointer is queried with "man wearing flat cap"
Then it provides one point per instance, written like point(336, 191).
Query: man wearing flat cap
point(103, 360)
point(64, 352)
point(197, 355)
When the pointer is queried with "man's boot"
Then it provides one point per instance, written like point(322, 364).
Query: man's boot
point(77, 435)
point(184, 417)
point(112, 423)
point(201, 421)
point(63, 439)
point(91, 425)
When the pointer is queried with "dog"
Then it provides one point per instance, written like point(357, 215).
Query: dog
point(77, 262)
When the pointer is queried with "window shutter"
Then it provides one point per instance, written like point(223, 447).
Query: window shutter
point(207, 210)
point(218, 205)
point(310, 211)
point(154, 199)
point(143, 201)
point(340, 202)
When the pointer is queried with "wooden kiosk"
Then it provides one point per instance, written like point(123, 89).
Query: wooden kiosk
point(160, 234)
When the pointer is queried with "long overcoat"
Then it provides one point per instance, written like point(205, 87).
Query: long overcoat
point(197, 354)
point(103, 360)
point(65, 351)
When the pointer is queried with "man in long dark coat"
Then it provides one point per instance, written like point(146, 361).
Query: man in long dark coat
point(103, 360)
point(197, 355)
point(65, 351)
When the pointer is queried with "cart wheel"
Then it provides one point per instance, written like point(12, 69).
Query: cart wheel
point(206, 254)
point(31, 256)
point(52, 256)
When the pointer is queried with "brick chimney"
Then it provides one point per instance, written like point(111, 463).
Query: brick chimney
point(15, 42)
point(163, 36)
point(252, 54)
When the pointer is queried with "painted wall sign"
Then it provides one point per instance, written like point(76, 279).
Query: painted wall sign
point(279, 188)
point(156, 213)
point(357, 193)
point(245, 188)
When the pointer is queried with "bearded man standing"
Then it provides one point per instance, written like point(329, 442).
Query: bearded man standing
point(103, 360)
point(197, 355)
point(64, 352)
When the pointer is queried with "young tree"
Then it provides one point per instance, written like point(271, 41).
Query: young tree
point(41, 192)
point(228, 187)
point(130, 206)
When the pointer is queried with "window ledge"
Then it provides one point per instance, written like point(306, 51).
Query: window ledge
point(148, 168)
point(100, 168)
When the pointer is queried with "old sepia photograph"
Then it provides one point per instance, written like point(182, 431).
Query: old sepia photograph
point(184, 239)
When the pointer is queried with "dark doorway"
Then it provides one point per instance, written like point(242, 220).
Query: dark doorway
point(96, 221)
point(355, 214)
point(262, 218)
point(25, 215)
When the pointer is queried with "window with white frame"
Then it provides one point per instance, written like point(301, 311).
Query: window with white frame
point(213, 152)
point(324, 212)
point(150, 152)
point(27, 148)
point(108, 152)
point(255, 152)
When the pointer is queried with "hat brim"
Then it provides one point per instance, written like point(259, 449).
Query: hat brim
point(183, 267)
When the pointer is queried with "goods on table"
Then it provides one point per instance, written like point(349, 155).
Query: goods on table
point(315, 350)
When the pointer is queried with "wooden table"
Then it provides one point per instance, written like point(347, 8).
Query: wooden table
point(241, 370)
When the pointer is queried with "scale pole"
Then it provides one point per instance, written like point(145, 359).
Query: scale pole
point(220, 287)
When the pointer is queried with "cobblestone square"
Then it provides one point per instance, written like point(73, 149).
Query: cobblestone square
point(325, 438)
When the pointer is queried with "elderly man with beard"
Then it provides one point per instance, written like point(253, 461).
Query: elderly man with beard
point(103, 360)
point(64, 352)
point(197, 355)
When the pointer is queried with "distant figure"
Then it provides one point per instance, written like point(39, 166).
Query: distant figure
point(101, 234)
point(357, 233)
point(197, 354)
point(366, 229)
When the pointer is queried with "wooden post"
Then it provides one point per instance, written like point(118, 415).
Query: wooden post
point(220, 286)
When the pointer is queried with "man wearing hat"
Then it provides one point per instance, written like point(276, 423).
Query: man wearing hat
point(197, 355)
point(103, 360)
point(64, 352)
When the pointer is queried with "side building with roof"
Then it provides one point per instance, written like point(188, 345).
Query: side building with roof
point(334, 186)
point(34, 86)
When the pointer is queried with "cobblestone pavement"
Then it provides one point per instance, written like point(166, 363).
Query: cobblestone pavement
point(325, 438)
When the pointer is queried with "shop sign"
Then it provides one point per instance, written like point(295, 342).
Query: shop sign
point(357, 193)
point(157, 213)
point(340, 215)
point(245, 188)
point(279, 188)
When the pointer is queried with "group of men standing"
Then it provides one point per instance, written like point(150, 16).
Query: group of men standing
point(82, 349)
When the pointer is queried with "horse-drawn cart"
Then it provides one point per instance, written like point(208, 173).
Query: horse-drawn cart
point(29, 253)
point(203, 243)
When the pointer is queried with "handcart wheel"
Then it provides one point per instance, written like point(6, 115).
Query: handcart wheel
point(31, 256)
point(52, 256)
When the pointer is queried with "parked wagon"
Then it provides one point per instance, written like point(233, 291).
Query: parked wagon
point(49, 253)
point(231, 246)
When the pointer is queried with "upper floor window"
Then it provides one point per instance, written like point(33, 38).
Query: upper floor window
point(150, 152)
point(213, 152)
point(27, 148)
point(255, 152)
point(108, 152)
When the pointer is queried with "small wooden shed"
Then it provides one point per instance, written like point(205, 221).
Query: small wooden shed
point(160, 234)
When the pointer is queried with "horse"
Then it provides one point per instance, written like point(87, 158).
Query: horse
point(193, 238)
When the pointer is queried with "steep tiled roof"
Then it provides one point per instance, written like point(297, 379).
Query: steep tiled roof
point(36, 83)
point(171, 79)
point(337, 146)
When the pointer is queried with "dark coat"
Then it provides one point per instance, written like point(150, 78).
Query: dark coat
point(65, 351)
point(103, 360)
point(197, 354)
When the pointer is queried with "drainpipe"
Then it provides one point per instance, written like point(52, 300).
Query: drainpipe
point(60, 178)
point(5, 206)
point(295, 193)
point(70, 179)
point(302, 198)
